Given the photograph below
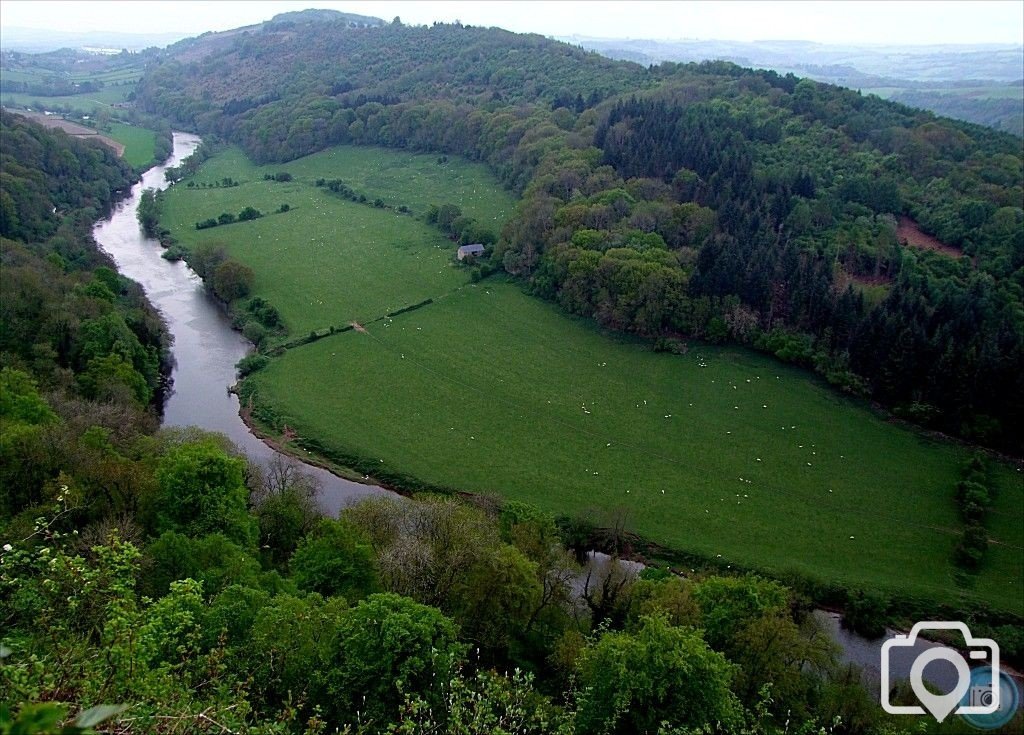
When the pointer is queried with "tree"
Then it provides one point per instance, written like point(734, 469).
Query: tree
point(334, 559)
point(446, 215)
point(148, 212)
point(212, 560)
point(112, 379)
point(632, 682)
point(290, 644)
point(232, 280)
point(201, 491)
point(385, 648)
point(728, 604)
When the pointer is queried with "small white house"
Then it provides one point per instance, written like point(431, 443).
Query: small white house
point(470, 251)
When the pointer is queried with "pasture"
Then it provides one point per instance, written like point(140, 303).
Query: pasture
point(720, 452)
point(138, 142)
point(86, 102)
point(329, 261)
point(416, 180)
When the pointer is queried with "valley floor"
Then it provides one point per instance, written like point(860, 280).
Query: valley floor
point(719, 452)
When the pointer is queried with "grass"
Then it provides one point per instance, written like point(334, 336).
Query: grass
point(485, 391)
point(138, 142)
point(413, 179)
point(329, 261)
point(488, 390)
point(85, 102)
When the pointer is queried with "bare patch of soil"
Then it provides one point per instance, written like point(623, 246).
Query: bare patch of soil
point(75, 130)
point(908, 232)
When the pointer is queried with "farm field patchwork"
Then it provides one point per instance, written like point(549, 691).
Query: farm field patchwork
point(718, 452)
point(86, 102)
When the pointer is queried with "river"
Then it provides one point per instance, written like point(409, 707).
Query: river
point(206, 348)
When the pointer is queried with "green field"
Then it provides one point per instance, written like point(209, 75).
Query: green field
point(717, 452)
point(138, 142)
point(413, 179)
point(86, 102)
point(329, 261)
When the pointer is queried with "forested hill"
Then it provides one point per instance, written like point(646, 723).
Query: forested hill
point(879, 245)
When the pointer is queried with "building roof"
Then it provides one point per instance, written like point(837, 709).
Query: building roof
point(474, 248)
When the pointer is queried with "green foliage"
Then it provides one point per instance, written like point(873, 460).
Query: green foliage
point(20, 401)
point(866, 613)
point(385, 648)
point(232, 280)
point(632, 682)
point(729, 603)
point(483, 704)
point(251, 363)
point(334, 559)
point(201, 492)
point(148, 212)
point(212, 560)
point(290, 642)
point(45, 719)
point(108, 378)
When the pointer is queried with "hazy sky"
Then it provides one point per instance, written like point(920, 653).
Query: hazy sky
point(828, 21)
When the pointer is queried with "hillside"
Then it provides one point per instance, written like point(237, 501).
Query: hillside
point(771, 201)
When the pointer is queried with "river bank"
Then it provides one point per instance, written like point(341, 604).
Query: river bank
point(205, 348)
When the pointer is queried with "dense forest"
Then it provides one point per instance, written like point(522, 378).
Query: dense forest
point(705, 201)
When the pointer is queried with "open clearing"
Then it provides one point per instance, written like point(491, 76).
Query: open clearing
point(329, 261)
point(717, 452)
point(907, 231)
point(490, 391)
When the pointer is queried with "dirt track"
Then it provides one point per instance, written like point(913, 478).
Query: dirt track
point(73, 129)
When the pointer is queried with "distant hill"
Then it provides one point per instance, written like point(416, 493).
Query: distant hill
point(979, 82)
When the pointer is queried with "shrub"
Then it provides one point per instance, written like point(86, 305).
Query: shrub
point(866, 614)
point(255, 332)
point(251, 363)
point(970, 552)
point(249, 213)
point(232, 280)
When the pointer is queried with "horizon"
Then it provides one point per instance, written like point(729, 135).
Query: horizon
point(872, 23)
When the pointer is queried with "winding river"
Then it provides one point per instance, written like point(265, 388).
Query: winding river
point(206, 350)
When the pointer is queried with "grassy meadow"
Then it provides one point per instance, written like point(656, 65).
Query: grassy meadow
point(328, 261)
point(720, 452)
point(86, 102)
point(138, 142)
